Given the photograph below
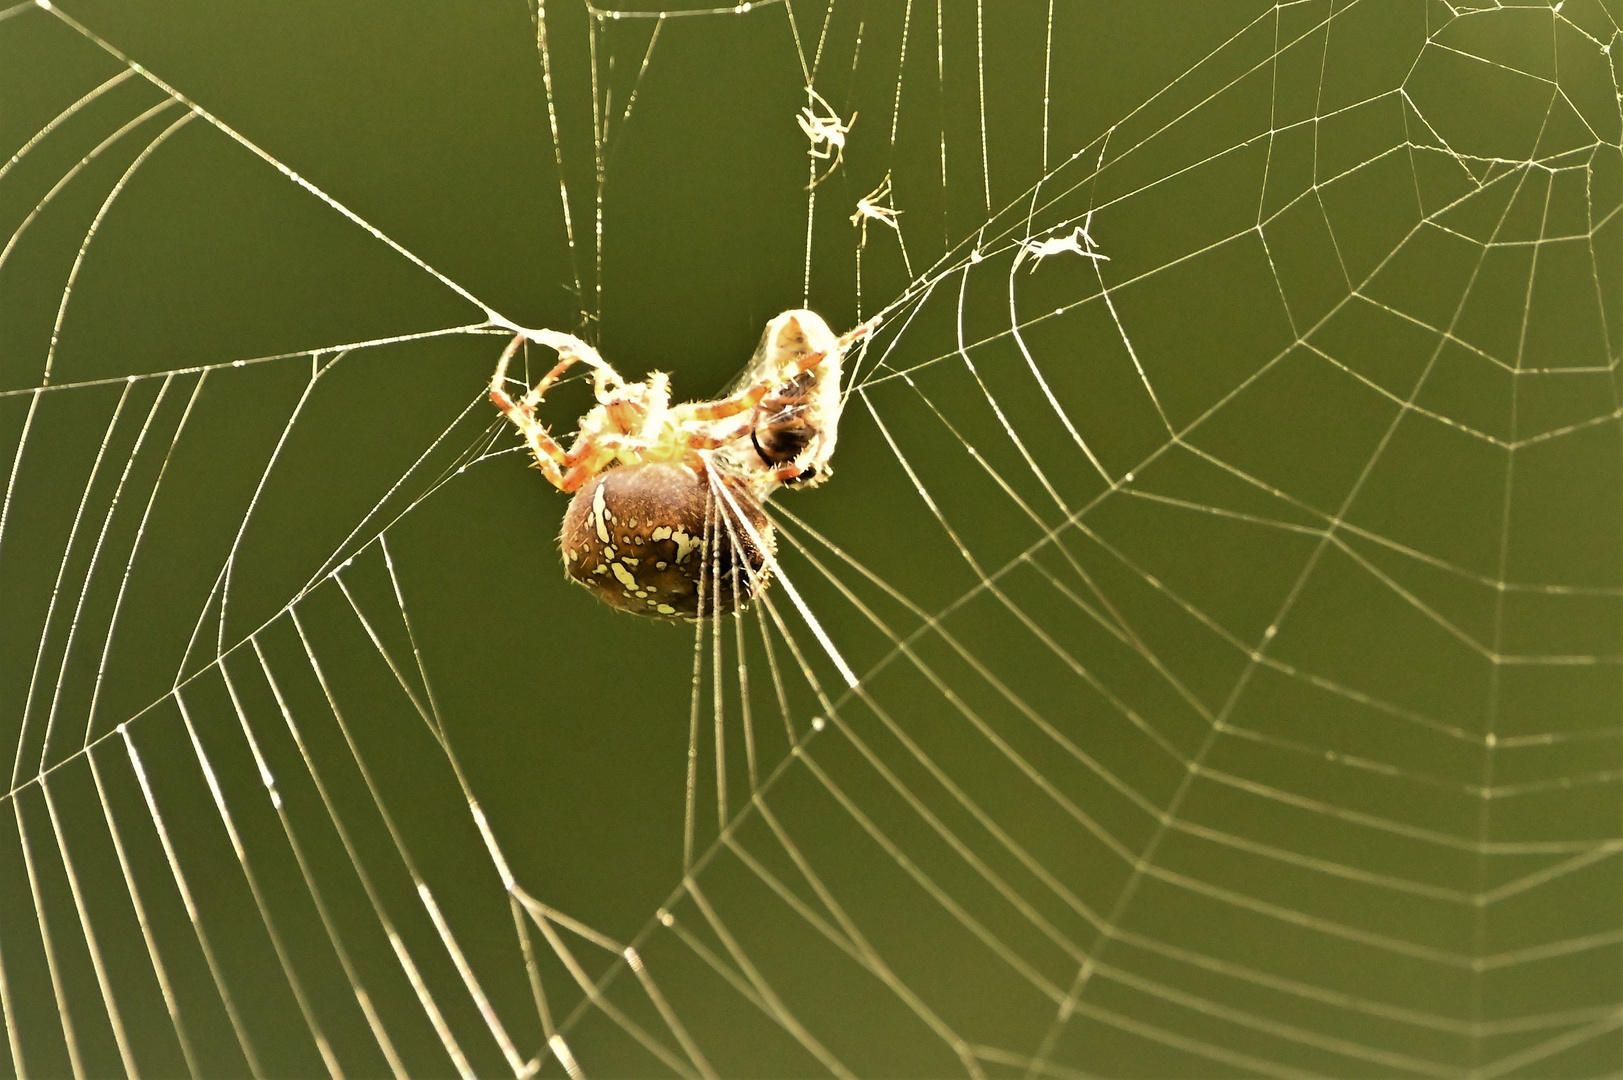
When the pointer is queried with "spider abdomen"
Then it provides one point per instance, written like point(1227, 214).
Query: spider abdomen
point(650, 538)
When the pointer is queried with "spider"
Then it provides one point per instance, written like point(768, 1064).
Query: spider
point(666, 519)
point(827, 134)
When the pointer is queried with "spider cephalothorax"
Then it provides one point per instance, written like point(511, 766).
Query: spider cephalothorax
point(666, 519)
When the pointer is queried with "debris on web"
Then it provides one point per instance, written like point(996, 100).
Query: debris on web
point(1209, 652)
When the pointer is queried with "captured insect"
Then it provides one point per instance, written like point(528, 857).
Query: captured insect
point(666, 519)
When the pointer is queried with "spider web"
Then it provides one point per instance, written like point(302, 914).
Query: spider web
point(1205, 660)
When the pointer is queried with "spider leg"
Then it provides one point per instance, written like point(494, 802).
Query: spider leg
point(742, 401)
point(587, 458)
point(696, 441)
point(549, 456)
point(597, 451)
point(571, 351)
point(498, 384)
point(752, 396)
point(539, 391)
point(571, 481)
point(745, 399)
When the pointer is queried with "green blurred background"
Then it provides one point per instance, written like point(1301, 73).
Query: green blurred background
point(1238, 642)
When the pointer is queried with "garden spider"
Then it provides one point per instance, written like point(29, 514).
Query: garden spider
point(654, 483)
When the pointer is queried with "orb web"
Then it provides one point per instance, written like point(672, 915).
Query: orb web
point(1205, 660)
